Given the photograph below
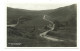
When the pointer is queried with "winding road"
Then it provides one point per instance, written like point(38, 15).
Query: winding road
point(44, 34)
point(14, 25)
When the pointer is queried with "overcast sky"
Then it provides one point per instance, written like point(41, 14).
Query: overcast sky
point(38, 4)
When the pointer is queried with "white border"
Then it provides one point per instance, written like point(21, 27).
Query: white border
point(3, 29)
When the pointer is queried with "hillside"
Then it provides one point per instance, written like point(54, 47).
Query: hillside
point(64, 14)
point(13, 14)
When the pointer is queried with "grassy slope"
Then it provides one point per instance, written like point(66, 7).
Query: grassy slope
point(29, 37)
point(66, 16)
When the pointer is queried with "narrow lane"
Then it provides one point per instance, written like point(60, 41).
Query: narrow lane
point(44, 34)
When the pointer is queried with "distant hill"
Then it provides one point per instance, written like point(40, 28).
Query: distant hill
point(62, 14)
point(13, 14)
point(65, 14)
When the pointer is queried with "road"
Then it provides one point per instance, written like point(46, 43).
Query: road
point(44, 34)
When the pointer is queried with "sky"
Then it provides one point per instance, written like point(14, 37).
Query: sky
point(38, 5)
point(31, 6)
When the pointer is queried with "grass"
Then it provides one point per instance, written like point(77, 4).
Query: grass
point(34, 40)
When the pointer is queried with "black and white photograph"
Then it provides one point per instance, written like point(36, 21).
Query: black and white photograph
point(41, 25)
